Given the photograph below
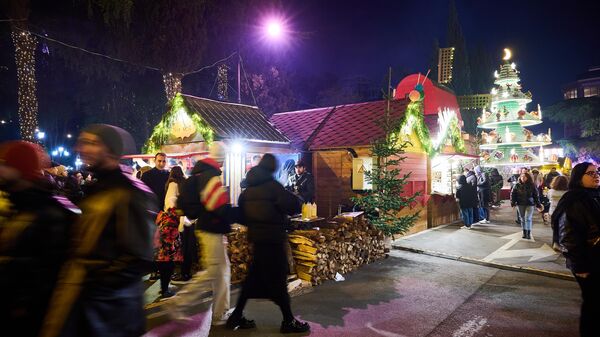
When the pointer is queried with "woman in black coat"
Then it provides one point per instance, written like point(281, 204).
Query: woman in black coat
point(264, 207)
point(524, 195)
point(467, 200)
point(576, 217)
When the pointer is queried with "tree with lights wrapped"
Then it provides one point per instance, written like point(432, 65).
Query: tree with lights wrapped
point(509, 143)
point(25, 45)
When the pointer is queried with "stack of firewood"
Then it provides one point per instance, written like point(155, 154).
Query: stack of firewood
point(345, 244)
point(239, 254)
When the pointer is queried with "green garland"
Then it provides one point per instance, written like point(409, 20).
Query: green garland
point(414, 113)
point(162, 131)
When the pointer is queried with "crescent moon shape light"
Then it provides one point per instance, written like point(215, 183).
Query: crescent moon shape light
point(507, 54)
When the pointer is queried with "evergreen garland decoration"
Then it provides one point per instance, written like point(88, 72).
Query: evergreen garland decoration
point(414, 119)
point(162, 131)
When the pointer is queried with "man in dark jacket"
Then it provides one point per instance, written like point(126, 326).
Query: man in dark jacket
point(213, 222)
point(101, 285)
point(302, 184)
point(550, 176)
point(264, 207)
point(34, 239)
point(156, 178)
point(484, 193)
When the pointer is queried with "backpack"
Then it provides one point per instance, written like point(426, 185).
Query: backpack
point(188, 200)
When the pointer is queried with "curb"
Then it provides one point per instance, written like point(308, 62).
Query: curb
point(529, 270)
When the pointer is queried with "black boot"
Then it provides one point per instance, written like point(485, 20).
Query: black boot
point(528, 235)
point(524, 234)
point(294, 326)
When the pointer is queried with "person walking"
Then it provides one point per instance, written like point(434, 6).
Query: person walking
point(264, 207)
point(558, 187)
point(513, 180)
point(34, 238)
point(100, 291)
point(472, 180)
point(576, 217)
point(209, 204)
point(525, 197)
point(467, 200)
point(167, 241)
point(484, 193)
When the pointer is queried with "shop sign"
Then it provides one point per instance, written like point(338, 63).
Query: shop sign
point(360, 166)
point(183, 126)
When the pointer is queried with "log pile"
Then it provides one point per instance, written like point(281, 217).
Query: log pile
point(346, 244)
point(239, 254)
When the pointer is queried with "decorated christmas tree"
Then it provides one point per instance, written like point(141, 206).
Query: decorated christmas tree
point(509, 142)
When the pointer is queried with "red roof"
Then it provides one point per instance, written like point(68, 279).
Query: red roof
point(298, 126)
point(437, 97)
point(339, 126)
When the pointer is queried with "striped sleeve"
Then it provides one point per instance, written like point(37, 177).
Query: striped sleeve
point(214, 195)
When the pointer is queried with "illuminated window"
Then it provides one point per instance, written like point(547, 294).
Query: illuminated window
point(572, 93)
point(590, 91)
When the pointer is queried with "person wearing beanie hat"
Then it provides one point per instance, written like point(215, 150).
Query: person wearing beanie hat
point(34, 238)
point(264, 208)
point(103, 278)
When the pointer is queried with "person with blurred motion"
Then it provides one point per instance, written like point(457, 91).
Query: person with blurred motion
point(34, 238)
point(100, 290)
point(156, 178)
point(205, 199)
point(550, 176)
point(558, 187)
point(264, 207)
point(576, 217)
point(525, 197)
point(484, 193)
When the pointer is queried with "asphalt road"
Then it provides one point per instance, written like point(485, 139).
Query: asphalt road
point(411, 295)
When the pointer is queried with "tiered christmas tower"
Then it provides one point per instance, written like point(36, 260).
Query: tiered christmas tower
point(509, 142)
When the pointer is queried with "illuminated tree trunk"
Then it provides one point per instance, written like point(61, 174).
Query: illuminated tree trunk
point(25, 45)
point(172, 83)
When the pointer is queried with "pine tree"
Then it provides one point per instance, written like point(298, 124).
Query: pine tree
point(461, 73)
point(383, 203)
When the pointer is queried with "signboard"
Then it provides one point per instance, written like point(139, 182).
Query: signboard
point(359, 167)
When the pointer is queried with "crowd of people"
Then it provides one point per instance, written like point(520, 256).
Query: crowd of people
point(474, 195)
point(74, 257)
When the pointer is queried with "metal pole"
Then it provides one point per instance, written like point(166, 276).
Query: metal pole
point(239, 79)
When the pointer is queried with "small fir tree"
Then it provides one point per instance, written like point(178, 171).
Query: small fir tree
point(383, 203)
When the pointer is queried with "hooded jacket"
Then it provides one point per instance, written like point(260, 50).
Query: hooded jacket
point(466, 193)
point(264, 207)
point(216, 212)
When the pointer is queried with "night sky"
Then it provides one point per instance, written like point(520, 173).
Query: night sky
point(552, 41)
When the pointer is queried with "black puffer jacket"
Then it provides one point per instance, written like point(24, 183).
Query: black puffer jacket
point(524, 195)
point(577, 219)
point(264, 207)
point(466, 194)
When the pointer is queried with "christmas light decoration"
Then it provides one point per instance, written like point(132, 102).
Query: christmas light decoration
point(25, 45)
point(222, 82)
point(172, 82)
point(177, 114)
point(511, 144)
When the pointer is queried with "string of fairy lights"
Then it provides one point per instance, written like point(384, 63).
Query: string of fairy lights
point(25, 44)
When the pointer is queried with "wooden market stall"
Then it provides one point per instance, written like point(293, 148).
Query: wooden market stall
point(239, 134)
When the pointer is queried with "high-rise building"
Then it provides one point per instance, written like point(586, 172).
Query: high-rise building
point(445, 63)
point(586, 85)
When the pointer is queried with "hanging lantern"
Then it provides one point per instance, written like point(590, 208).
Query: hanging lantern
point(414, 96)
point(521, 114)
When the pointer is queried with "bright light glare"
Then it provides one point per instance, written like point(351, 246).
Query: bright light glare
point(61, 149)
point(66, 153)
point(237, 148)
point(55, 153)
point(41, 135)
point(274, 29)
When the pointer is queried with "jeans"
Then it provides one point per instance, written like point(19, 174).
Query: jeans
point(216, 276)
point(467, 216)
point(484, 213)
point(526, 216)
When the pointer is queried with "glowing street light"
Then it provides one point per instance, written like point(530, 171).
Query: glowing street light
point(274, 29)
point(41, 135)
point(69, 135)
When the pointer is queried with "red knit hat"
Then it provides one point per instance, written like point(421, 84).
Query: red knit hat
point(27, 158)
